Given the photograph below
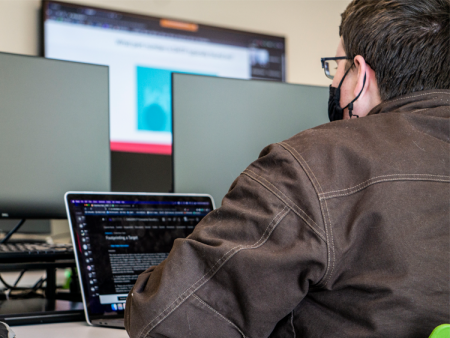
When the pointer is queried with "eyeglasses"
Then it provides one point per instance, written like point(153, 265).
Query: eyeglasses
point(330, 65)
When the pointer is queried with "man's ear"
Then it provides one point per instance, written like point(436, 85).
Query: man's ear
point(370, 94)
point(362, 68)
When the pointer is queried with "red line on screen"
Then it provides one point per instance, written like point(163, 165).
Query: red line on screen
point(128, 147)
point(79, 243)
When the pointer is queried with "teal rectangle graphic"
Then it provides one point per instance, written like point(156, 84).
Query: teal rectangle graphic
point(154, 99)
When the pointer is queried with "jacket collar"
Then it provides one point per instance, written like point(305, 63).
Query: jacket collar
point(417, 100)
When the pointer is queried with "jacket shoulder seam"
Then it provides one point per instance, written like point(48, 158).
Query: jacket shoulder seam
point(410, 97)
point(331, 255)
point(287, 201)
point(292, 324)
point(212, 271)
point(420, 131)
point(380, 179)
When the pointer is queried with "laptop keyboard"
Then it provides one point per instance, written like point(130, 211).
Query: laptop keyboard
point(35, 251)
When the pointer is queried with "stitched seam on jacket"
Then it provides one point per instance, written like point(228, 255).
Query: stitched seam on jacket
point(216, 267)
point(410, 97)
point(299, 212)
point(219, 314)
point(400, 176)
point(423, 133)
point(292, 323)
point(384, 180)
point(287, 198)
point(328, 229)
point(324, 282)
point(417, 110)
point(303, 164)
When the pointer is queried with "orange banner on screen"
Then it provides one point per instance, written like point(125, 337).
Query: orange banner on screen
point(146, 148)
point(192, 27)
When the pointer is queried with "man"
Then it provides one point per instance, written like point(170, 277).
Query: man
point(342, 230)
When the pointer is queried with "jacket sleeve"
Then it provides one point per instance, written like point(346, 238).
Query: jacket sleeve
point(246, 266)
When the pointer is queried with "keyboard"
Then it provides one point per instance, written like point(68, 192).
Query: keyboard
point(35, 251)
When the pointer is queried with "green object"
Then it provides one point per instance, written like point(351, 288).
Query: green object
point(68, 275)
point(442, 331)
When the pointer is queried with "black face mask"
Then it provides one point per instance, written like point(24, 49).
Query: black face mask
point(335, 112)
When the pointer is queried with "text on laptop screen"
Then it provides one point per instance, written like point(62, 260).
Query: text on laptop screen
point(119, 237)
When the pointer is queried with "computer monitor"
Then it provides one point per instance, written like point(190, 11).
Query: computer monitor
point(142, 52)
point(221, 126)
point(31, 226)
point(54, 134)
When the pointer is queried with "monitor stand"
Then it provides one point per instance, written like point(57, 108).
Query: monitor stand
point(39, 310)
point(9, 234)
point(32, 308)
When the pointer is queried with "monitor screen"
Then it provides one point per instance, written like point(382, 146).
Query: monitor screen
point(142, 52)
point(259, 114)
point(31, 226)
point(53, 133)
point(118, 236)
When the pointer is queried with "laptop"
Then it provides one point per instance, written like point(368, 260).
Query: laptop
point(116, 236)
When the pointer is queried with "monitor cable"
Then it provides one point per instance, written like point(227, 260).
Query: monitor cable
point(27, 292)
point(9, 234)
point(14, 287)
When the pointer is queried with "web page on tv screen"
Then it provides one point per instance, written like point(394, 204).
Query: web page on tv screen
point(142, 53)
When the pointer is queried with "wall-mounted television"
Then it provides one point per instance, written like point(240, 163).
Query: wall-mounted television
point(142, 52)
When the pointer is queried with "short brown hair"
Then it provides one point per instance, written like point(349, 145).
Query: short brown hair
point(406, 42)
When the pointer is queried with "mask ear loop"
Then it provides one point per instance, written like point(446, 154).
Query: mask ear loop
point(350, 105)
point(338, 89)
point(338, 93)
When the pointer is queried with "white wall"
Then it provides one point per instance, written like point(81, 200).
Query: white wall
point(310, 26)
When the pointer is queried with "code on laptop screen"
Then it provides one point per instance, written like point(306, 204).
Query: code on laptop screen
point(118, 237)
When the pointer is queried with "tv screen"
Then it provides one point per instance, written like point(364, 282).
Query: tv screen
point(142, 52)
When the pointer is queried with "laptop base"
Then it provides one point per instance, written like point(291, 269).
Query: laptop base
point(116, 323)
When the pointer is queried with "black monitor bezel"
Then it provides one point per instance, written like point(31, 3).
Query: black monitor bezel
point(149, 17)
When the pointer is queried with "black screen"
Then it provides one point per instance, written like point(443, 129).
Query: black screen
point(117, 237)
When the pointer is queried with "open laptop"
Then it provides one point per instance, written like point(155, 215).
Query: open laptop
point(116, 236)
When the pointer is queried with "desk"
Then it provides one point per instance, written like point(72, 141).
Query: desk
point(74, 329)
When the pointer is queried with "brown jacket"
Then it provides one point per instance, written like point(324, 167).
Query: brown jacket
point(340, 231)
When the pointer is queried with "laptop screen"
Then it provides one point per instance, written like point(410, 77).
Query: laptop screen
point(117, 236)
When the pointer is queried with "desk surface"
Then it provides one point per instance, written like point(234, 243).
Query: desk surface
point(74, 329)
